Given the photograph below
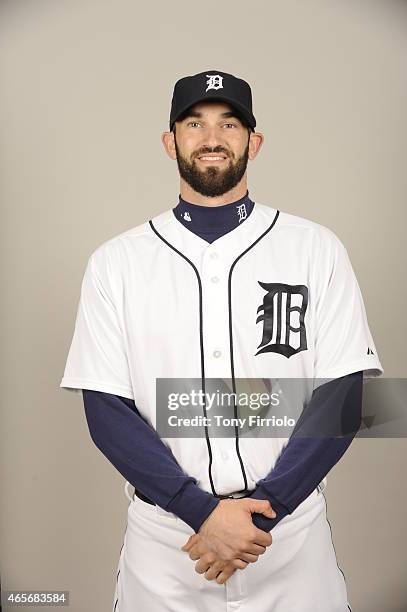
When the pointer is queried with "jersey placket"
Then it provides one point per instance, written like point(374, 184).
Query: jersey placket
point(226, 469)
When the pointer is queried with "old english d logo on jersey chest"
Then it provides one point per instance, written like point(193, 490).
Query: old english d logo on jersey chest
point(283, 312)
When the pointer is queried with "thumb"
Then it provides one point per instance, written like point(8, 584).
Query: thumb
point(261, 506)
point(188, 543)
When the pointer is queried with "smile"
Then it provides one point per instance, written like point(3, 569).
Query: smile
point(208, 158)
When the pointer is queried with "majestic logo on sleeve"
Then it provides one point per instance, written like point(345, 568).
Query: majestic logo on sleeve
point(283, 311)
point(214, 82)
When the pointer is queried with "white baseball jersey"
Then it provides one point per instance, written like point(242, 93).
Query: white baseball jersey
point(274, 298)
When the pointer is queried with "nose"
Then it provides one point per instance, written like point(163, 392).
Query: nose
point(212, 138)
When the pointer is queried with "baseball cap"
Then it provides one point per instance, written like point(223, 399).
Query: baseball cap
point(212, 85)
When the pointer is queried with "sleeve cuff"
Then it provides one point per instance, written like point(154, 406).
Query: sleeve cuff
point(192, 505)
point(261, 521)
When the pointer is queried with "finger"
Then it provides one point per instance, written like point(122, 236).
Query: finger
point(195, 553)
point(269, 512)
point(223, 577)
point(248, 557)
point(225, 574)
point(239, 564)
point(187, 544)
point(214, 570)
point(261, 506)
point(262, 538)
point(202, 566)
point(194, 539)
point(204, 563)
point(255, 549)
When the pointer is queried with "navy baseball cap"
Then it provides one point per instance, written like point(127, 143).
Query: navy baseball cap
point(212, 85)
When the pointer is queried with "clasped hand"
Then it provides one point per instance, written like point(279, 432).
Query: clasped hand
point(228, 539)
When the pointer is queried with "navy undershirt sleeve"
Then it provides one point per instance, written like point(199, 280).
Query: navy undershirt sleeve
point(313, 448)
point(139, 454)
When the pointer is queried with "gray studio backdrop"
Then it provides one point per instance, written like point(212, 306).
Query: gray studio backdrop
point(86, 90)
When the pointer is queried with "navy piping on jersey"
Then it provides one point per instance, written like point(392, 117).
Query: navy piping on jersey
point(208, 442)
point(232, 365)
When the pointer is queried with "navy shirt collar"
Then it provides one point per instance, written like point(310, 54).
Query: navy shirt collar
point(211, 222)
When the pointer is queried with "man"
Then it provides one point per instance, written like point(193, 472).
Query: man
point(222, 288)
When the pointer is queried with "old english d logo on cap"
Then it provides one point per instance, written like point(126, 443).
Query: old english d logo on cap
point(214, 81)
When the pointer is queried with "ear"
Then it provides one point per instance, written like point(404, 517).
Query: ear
point(256, 140)
point(168, 140)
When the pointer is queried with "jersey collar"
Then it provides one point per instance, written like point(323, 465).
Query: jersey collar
point(228, 247)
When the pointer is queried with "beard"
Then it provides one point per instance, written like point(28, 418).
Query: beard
point(212, 181)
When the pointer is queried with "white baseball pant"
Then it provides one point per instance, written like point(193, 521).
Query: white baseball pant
point(297, 573)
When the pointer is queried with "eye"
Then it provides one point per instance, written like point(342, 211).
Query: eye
point(192, 123)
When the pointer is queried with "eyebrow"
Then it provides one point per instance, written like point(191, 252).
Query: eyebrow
point(198, 114)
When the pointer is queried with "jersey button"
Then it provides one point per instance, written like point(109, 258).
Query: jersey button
point(215, 279)
point(214, 255)
point(217, 353)
point(225, 455)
